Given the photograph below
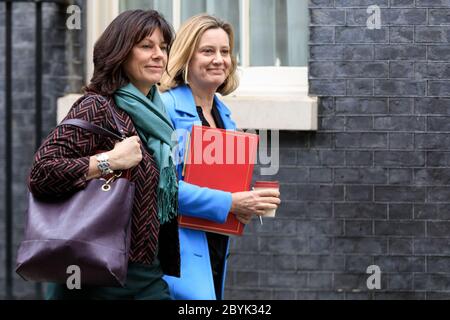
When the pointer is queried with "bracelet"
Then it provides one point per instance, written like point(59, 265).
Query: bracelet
point(103, 164)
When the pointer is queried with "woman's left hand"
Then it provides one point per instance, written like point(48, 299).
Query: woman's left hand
point(246, 204)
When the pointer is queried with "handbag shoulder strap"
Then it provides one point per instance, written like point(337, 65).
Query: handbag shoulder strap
point(91, 127)
point(97, 129)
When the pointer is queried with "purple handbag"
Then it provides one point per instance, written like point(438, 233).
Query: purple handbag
point(90, 229)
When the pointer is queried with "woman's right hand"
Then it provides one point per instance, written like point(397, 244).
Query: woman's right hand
point(126, 154)
point(247, 203)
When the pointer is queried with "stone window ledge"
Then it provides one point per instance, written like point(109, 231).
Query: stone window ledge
point(251, 112)
point(273, 112)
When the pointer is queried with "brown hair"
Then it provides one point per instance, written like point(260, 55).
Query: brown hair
point(184, 46)
point(115, 44)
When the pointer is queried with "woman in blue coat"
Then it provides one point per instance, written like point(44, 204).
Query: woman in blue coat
point(201, 63)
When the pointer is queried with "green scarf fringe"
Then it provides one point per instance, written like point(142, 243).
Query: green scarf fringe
point(168, 197)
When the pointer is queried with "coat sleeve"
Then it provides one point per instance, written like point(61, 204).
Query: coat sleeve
point(203, 203)
point(61, 163)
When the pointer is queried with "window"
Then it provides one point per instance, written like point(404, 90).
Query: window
point(271, 44)
point(278, 33)
point(267, 32)
point(163, 6)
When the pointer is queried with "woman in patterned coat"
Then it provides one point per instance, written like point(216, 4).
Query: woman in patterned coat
point(129, 59)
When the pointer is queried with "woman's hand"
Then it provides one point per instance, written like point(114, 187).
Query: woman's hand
point(248, 203)
point(126, 154)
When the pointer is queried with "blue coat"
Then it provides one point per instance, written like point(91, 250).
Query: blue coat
point(196, 281)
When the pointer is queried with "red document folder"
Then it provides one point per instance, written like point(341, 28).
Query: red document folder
point(223, 160)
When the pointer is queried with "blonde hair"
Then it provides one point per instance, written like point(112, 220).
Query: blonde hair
point(183, 48)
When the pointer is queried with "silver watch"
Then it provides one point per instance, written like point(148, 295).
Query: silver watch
point(103, 164)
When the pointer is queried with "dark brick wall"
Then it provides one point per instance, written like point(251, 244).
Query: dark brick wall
point(2, 151)
point(372, 185)
point(62, 73)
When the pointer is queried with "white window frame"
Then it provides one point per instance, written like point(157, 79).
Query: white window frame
point(267, 98)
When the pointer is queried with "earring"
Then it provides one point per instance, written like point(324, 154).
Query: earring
point(185, 76)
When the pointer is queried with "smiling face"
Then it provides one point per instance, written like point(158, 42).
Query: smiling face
point(147, 61)
point(211, 62)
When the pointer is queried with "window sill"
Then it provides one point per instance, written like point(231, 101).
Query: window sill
point(251, 112)
point(273, 112)
point(273, 98)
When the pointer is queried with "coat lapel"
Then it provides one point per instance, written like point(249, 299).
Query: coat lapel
point(185, 104)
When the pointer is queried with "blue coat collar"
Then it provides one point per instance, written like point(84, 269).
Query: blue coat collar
point(187, 105)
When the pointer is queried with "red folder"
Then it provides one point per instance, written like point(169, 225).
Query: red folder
point(219, 159)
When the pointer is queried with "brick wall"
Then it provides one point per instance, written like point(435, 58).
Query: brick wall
point(62, 72)
point(372, 185)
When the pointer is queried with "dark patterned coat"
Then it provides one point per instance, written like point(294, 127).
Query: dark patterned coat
point(62, 163)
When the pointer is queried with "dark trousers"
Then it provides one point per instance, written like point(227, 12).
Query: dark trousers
point(144, 282)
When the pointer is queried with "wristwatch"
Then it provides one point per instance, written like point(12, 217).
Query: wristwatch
point(103, 164)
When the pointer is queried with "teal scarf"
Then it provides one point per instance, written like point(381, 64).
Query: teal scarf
point(155, 129)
